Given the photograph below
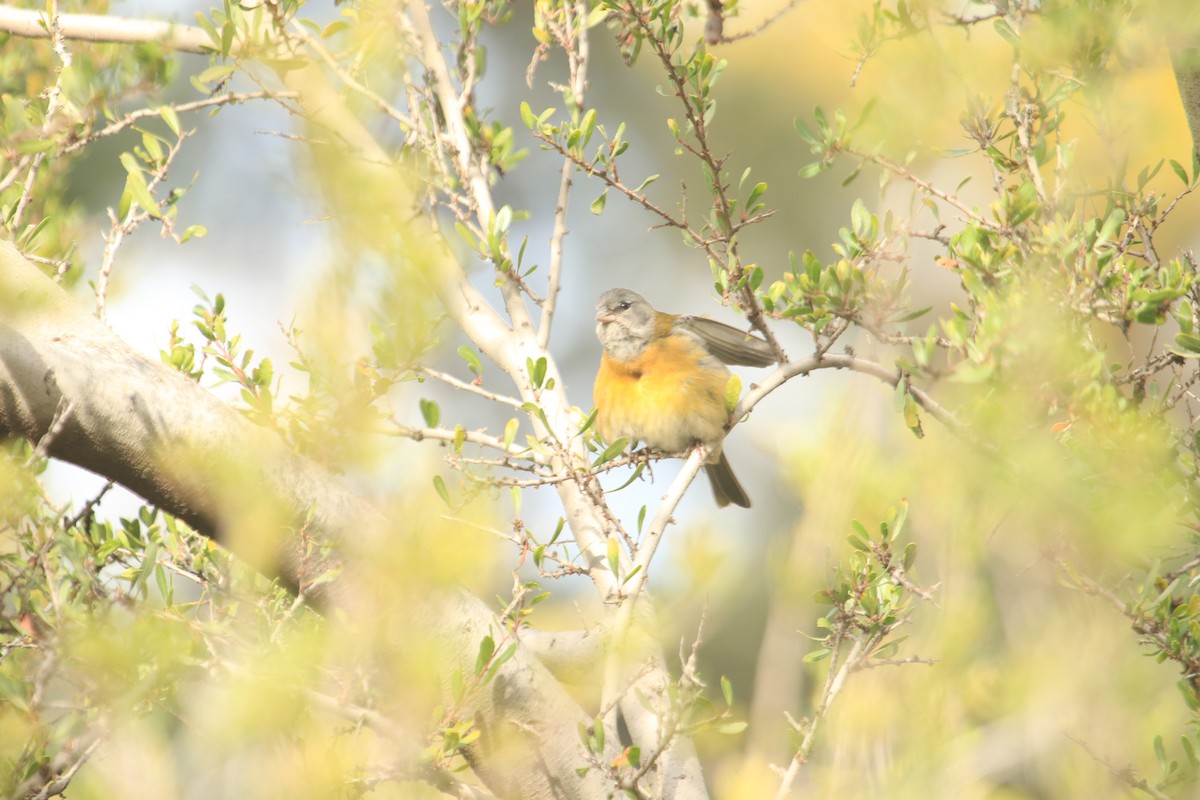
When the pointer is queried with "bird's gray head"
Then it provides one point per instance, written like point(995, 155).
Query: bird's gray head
point(624, 323)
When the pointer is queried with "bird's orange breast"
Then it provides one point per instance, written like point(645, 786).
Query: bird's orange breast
point(669, 397)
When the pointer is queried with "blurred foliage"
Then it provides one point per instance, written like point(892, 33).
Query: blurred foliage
point(1063, 359)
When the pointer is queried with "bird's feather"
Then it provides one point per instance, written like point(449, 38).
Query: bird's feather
point(728, 343)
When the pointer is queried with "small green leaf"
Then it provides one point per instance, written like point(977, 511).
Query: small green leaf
point(587, 125)
point(727, 690)
point(193, 232)
point(812, 170)
point(612, 451)
point(170, 117)
point(439, 486)
point(817, 655)
point(557, 531)
point(911, 418)
point(527, 116)
point(1111, 225)
point(733, 392)
point(1007, 33)
point(217, 73)
point(1187, 345)
point(732, 728)
point(597, 206)
point(536, 371)
point(497, 663)
point(649, 180)
point(430, 412)
point(135, 186)
point(503, 220)
point(472, 359)
point(806, 132)
point(487, 648)
point(1180, 171)
point(613, 553)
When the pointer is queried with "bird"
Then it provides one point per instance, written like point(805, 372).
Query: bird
point(662, 381)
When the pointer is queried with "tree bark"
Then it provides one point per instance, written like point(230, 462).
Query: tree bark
point(70, 384)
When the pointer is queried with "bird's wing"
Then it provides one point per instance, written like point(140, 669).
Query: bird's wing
point(727, 343)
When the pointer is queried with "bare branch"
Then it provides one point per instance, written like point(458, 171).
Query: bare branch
point(99, 28)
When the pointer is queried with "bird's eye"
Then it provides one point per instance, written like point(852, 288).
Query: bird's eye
point(623, 307)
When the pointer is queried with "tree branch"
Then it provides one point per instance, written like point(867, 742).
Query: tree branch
point(97, 28)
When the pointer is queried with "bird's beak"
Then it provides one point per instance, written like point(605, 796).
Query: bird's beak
point(605, 316)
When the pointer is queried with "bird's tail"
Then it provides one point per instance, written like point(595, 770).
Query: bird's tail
point(725, 486)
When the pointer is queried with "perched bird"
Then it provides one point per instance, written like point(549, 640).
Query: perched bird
point(662, 381)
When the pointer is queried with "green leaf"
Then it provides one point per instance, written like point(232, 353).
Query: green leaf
point(597, 206)
point(806, 132)
point(439, 486)
point(645, 183)
point(472, 359)
point(612, 451)
point(1111, 225)
point(487, 649)
point(1007, 33)
point(587, 125)
point(1187, 345)
point(732, 728)
point(217, 73)
point(170, 117)
point(497, 663)
point(814, 169)
point(755, 193)
point(633, 476)
point(136, 188)
point(536, 371)
point(527, 116)
point(727, 690)
point(911, 417)
point(193, 232)
point(503, 220)
point(430, 412)
point(733, 392)
point(817, 655)
point(896, 518)
point(557, 531)
point(1180, 172)
point(613, 553)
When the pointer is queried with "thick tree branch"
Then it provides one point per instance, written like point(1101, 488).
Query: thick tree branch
point(97, 28)
point(161, 435)
point(147, 427)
